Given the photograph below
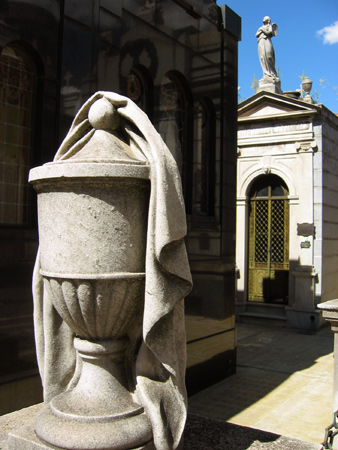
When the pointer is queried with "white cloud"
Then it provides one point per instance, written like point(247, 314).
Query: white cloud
point(329, 34)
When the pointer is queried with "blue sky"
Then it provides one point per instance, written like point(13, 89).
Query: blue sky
point(307, 42)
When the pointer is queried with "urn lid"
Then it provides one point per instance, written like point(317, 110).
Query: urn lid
point(97, 147)
point(105, 139)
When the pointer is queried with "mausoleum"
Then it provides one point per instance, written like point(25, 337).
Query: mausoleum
point(287, 210)
point(177, 60)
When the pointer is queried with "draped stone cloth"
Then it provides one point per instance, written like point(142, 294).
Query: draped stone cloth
point(160, 360)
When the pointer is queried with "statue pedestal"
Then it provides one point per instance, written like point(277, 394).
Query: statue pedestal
point(270, 85)
point(303, 313)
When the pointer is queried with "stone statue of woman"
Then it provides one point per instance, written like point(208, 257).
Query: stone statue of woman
point(265, 48)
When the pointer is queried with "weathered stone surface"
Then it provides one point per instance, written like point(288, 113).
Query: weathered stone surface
point(202, 433)
point(269, 85)
point(109, 283)
point(26, 439)
point(270, 81)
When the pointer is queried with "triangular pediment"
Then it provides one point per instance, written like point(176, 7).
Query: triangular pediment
point(268, 105)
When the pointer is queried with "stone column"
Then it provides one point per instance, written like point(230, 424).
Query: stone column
point(330, 313)
point(302, 311)
point(241, 253)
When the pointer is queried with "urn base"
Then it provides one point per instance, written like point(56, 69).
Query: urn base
point(100, 412)
point(25, 438)
point(120, 434)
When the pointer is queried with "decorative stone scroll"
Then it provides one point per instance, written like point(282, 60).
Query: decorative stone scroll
point(109, 283)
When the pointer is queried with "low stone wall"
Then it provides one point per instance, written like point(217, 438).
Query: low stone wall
point(201, 433)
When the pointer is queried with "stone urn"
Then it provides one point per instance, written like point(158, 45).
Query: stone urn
point(306, 88)
point(92, 210)
point(307, 85)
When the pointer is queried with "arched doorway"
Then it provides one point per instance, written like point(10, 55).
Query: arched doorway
point(268, 271)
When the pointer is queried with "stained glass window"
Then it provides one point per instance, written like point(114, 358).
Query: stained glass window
point(17, 82)
point(140, 89)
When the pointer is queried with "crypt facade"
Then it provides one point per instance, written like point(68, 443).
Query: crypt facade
point(287, 210)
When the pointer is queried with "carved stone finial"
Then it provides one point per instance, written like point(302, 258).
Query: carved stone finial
point(306, 88)
point(103, 115)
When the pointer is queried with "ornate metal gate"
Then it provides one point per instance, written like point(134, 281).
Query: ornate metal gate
point(269, 241)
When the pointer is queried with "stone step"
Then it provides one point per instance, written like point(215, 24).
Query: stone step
point(262, 319)
point(265, 308)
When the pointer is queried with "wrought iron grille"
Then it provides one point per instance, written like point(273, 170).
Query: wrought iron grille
point(261, 231)
point(277, 231)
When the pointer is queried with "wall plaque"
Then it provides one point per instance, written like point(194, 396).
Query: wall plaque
point(305, 229)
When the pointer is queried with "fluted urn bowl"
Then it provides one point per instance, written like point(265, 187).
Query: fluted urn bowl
point(97, 309)
point(92, 247)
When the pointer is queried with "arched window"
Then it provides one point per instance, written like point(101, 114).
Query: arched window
point(140, 89)
point(204, 160)
point(176, 127)
point(18, 78)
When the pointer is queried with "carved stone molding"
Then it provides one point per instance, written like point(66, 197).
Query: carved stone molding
point(307, 146)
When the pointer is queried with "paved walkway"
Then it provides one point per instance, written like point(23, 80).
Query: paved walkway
point(283, 383)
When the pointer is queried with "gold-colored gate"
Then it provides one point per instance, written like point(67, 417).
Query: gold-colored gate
point(269, 241)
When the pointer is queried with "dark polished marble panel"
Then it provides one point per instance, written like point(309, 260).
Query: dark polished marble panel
point(114, 7)
point(109, 28)
point(107, 62)
point(210, 360)
point(177, 22)
point(80, 10)
point(77, 73)
point(123, 46)
point(144, 9)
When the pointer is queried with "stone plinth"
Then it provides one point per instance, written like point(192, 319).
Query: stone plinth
point(26, 439)
point(269, 85)
point(303, 313)
point(330, 314)
point(201, 433)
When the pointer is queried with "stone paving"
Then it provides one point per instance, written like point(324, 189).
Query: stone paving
point(283, 383)
point(279, 399)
